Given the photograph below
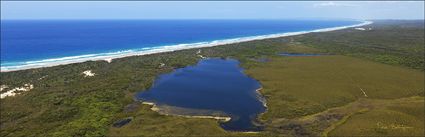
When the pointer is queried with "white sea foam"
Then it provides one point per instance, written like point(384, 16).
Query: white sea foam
point(152, 50)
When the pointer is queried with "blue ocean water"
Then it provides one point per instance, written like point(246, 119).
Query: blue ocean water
point(212, 84)
point(26, 41)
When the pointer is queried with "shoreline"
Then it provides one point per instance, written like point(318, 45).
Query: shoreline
point(261, 98)
point(218, 118)
point(108, 57)
point(155, 108)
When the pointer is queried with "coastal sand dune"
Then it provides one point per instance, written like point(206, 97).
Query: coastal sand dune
point(15, 91)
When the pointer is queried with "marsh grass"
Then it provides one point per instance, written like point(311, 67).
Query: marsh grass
point(395, 118)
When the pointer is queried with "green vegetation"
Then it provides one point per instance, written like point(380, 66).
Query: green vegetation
point(403, 117)
point(321, 95)
point(150, 123)
point(300, 90)
point(389, 42)
point(308, 85)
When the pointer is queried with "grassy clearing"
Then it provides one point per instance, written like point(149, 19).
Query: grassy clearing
point(299, 86)
point(314, 95)
point(392, 118)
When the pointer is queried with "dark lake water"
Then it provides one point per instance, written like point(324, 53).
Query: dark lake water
point(212, 84)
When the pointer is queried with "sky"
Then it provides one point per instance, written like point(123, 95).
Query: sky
point(11, 10)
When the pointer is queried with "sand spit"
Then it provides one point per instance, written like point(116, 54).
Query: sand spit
point(162, 49)
point(159, 110)
point(12, 92)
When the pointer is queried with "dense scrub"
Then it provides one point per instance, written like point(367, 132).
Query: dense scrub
point(389, 42)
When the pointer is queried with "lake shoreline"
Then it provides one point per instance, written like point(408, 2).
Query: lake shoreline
point(108, 57)
point(221, 119)
point(154, 107)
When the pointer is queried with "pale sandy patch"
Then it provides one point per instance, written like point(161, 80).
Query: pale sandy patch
point(159, 110)
point(3, 87)
point(161, 65)
point(361, 29)
point(12, 92)
point(88, 73)
point(109, 60)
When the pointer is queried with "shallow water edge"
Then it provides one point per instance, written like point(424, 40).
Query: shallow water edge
point(156, 108)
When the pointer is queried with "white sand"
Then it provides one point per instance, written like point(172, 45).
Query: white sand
point(12, 92)
point(88, 73)
point(161, 65)
point(361, 29)
point(109, 60)
point(3, 87)
point(224, 119)
point(148, 103)
point(201, 56)
point(157, 109)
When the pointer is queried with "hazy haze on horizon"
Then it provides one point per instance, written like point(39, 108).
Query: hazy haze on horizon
point(211, 10)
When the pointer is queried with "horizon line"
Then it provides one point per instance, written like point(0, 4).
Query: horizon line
point(211, 19)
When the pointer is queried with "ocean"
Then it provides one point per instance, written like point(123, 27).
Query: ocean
point(39, 43)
